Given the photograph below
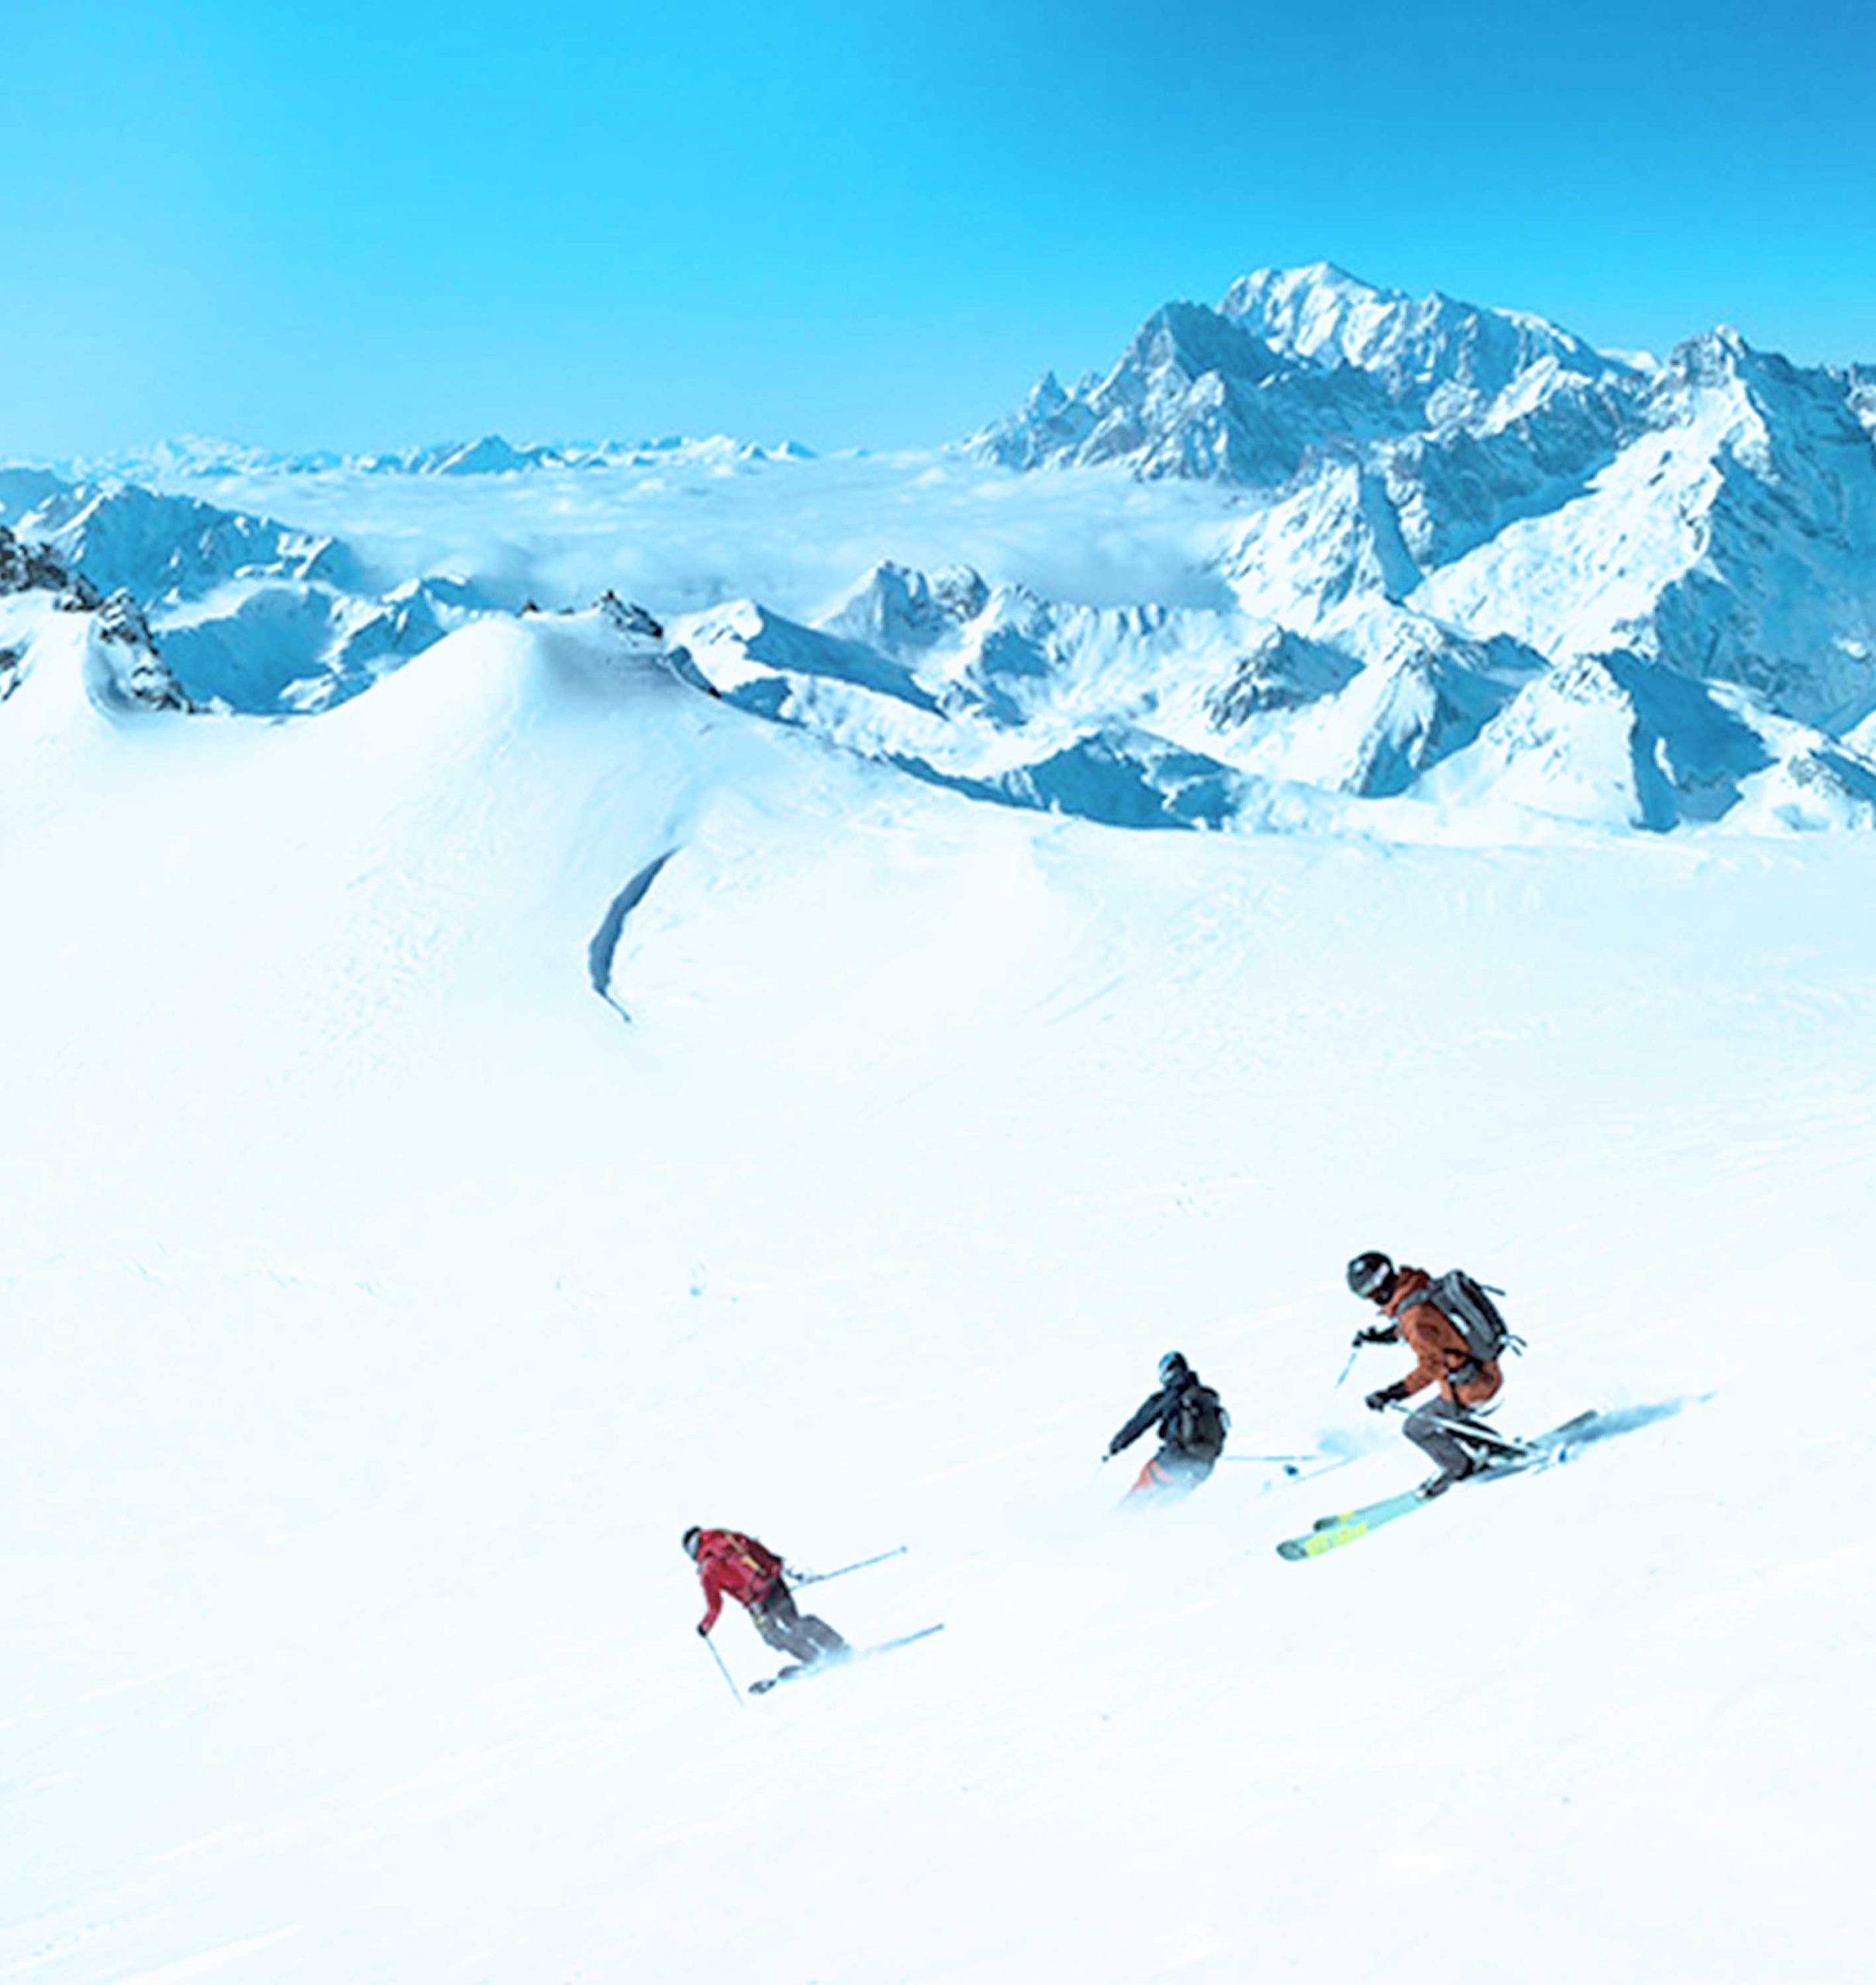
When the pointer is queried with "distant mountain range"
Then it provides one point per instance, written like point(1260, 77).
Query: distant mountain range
point(1465, 562)
point(492, 455)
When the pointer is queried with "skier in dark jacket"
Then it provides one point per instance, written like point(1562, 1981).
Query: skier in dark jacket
point(1441, 1429)
point(1192, 1425)
point(728, 1562)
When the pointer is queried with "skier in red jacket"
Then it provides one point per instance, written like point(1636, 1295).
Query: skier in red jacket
point(728, 1562)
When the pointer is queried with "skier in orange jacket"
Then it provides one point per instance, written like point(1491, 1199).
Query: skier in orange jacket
point(1442, 1357)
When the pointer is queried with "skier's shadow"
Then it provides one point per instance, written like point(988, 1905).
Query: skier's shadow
point(1604, 1426)
point(1626, 1419)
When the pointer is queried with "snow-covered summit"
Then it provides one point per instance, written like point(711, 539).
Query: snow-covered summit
point(1295, 362)
point(1196, 394)
point(1415, 347)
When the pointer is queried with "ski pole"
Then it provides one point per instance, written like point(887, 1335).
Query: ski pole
point(728, 1678)
point(1267, 1457)
point(860, 1565)
point(1355, 1352)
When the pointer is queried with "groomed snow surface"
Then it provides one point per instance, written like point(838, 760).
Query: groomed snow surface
point(379, 1306)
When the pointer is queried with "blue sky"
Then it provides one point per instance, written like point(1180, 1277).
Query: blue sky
point(358, 225)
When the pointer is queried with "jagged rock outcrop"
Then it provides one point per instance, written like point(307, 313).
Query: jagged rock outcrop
point(125, 672)
point(27, 566)
point(627, 618)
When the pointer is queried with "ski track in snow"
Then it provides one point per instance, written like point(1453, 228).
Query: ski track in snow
point(377, 1313)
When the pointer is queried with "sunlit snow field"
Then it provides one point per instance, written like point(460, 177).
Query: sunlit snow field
point(379, 1306)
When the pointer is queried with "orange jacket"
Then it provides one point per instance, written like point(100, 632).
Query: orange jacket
point(1435, 1341)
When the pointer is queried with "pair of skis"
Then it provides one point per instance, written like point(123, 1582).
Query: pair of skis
point(797, 1669)
point(1511, 1458)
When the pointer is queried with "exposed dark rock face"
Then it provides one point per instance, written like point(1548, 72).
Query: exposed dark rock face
point(628, 617)
point(25, 566)
point(138, 676)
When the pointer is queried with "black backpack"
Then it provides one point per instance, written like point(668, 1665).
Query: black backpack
point(1200, 1424)
point(1467, 1306)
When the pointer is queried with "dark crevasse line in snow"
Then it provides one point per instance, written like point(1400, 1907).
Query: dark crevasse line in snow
point(600, 952)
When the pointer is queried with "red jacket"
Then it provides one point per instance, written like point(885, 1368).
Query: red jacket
point(1437, 1343)
point(728, 1562)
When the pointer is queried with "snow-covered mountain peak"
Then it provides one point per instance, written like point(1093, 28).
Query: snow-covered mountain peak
point(1322, 315)
point(1046, 396)
point(899, 610)
point(1713, 357)
point(1299, 363)
point(1196, 394)
point(1192, 341)
point(163, 547)
point(492, 455)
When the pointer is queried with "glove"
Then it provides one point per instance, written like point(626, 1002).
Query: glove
point(1374, 1337)
point(703, 1632)
point(1378, 1402)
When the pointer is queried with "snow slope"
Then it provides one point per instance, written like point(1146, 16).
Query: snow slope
point(379, 1305)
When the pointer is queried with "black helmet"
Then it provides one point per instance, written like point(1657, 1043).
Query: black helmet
point(1370, 1274)
point(1173, 1368)
point(692, 1537)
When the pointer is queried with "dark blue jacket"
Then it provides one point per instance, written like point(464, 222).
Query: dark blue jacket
point(1163, 1408)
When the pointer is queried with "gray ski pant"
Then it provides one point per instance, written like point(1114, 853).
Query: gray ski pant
point(1438, 1430)
point(789, 1631)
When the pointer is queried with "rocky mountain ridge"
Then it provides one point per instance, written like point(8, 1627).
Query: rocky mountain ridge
point(1712, 515)
point(1462, 562)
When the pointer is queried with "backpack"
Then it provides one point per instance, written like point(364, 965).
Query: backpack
point(1467, 1306)
point(755, 1556)
point(1200, 1424)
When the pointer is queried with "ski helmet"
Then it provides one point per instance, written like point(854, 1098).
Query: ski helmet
point(1369, 1275)
point(692, 1537)
point(1173, 1368)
